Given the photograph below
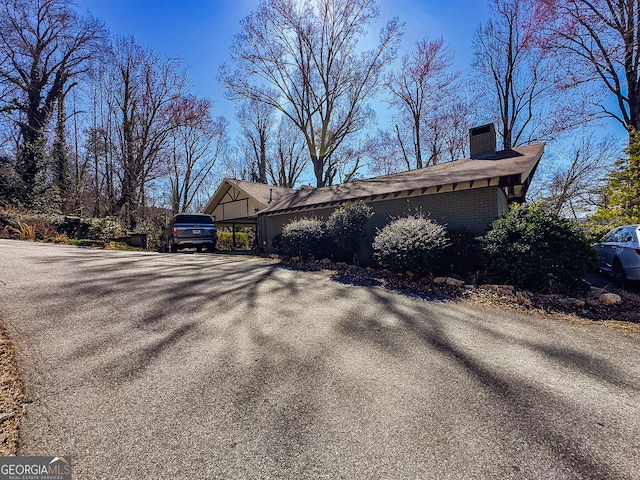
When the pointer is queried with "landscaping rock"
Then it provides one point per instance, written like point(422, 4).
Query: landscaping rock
point(506, 289)
point(572, 303)
point(610, 299)
point(523, 299)
point(489, 287)
point(454, 281)
point(448, 281)
point(501, 289)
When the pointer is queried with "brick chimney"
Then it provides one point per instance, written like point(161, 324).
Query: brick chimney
point(482, 141)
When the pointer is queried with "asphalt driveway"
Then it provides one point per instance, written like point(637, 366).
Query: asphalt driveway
point(144, 365)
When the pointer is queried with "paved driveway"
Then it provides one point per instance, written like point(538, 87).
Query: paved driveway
point(210, 366)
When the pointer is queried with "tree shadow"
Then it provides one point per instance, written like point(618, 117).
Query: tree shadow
point(280, 382)
point(526, 403)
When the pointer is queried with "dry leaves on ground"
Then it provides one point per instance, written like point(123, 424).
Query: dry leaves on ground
point(11, 397)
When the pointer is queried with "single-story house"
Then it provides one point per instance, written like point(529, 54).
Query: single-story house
point(469, 193)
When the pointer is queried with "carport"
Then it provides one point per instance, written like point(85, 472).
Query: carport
point(236, 203)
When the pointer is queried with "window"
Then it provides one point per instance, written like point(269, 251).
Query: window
point(628, 235)
point(612, 237)
point(201, 219)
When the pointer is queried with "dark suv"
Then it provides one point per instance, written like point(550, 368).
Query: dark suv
point(192, 230)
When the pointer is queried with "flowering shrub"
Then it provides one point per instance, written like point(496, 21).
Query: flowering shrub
point(302, 238)
point(413, 243)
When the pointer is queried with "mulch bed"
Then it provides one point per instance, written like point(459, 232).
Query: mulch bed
point(627, 311)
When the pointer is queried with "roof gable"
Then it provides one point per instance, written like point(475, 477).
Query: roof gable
point(242, 200)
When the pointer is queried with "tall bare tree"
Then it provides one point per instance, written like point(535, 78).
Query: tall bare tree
point(43, 44)
point(256, 121)
point(197, 142)
point(574, 186)
point(383, 153)
point(302, 58)
point(602, 38)
point(234, 163)
point(287, 160)
point(530, 97)
point(419, 85)
point(146, 88)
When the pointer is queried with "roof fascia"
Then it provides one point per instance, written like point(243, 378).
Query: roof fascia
point(503, 181)
point(217, 196)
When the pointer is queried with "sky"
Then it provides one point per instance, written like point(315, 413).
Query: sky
point(200, 32)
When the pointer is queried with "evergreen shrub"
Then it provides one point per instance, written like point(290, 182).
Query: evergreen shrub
point(463, 254)
point(412, 243)
point(533, 248)
point(105, 229)
point(225, 241)
point(304, 238)
point(346, 227)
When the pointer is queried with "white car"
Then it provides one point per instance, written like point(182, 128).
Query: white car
point(619, 252)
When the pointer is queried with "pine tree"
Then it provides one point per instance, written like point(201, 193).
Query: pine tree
point(622, 193)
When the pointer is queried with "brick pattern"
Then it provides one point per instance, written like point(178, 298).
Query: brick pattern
point(473, 210)
point(482, 140)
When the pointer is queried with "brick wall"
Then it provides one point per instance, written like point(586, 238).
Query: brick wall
point(472, 209)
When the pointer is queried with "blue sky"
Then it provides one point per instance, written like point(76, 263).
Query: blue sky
point(200, 31)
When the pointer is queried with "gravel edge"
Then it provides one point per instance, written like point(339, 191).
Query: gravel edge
point(11, 396)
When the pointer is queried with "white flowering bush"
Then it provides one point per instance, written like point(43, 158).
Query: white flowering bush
point(411, 244)
point(303, 238)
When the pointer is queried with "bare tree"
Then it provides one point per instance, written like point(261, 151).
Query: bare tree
point(288, 160)
point(419, 86)
point(302, 59)
point(383, 153)
point(527, 81)
point(43, 44)
point(197, 143)
point(575, 186)
point(353, 156)
point(99, 144)
point(256, 121)
point(602, 38)
point(234, 163)
point(446, 125)
point(145, 90)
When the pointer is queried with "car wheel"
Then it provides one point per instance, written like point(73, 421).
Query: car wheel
point(619, 275)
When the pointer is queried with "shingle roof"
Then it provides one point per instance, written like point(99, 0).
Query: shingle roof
point(260, 192)
point(511, 169)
